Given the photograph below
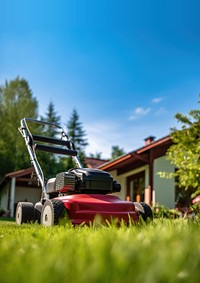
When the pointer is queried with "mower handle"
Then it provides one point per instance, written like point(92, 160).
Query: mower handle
point(55, 149)
point(43, 122)
point(31, 146)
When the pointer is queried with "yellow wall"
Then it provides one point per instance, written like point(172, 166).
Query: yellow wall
point(122, 179)
point(164, 188)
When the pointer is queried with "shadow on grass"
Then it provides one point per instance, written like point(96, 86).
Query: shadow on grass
point(7, 219)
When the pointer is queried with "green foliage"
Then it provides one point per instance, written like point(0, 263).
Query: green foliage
point(77, 134)
point(2, 211)
point(97, 155)
point(160, 211)
point(16, 102)
point(116, 152)
point(162, 251)
point(51, 117)
point(50, 163)
point(185, 152)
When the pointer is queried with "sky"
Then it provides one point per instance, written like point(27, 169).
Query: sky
point(127, 67)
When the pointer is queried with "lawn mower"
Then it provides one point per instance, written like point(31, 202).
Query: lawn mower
point(79, 195)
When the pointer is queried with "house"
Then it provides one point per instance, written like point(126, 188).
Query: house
point(18, 186)
point(94, 162)
point(140, 173)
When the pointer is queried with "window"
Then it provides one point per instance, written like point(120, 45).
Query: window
point(136, 187)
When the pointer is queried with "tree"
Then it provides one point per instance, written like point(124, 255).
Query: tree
point(51, 164)
point(97, 155)
point(77, 134)
point(51, 117)
point(16, 102)
point(116, 152)
point(185, 151)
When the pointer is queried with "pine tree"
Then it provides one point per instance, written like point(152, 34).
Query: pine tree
point(116, 152)
point(51, 117)
point(77, 135)
point(51, 164)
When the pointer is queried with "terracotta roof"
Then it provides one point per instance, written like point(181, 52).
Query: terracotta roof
point(139, 154)
point(20, 173)
point(22, 176)
point(94, 162)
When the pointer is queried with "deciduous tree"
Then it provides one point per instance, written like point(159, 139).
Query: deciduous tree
point(185, 151)
point(16, 102)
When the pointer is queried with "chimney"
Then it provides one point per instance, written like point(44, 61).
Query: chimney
point(149, 140)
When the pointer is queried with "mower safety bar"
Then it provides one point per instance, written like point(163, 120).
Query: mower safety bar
point(54, 149)
point(51, 140)
point(42, 123)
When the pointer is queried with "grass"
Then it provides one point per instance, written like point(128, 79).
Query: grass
point(162, 251)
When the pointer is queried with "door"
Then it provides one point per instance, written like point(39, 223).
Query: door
point(136, 187)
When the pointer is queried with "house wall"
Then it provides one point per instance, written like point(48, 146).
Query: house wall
point(27, 194)
point(20, 194)
point(4, 197)
point(122, 179)
point(164, 188)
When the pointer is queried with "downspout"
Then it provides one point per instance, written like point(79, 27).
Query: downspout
point(151, 176)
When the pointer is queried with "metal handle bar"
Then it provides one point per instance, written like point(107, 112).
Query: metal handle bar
point(54, 149)
point(43, 122)
point(31, 146)
point(51, 140)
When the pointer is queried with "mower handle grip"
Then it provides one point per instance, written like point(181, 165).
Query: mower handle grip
point(54, 149)
point(51, 140)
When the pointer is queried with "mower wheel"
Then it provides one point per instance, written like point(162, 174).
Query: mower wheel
point(54, 213)
point(38, 210)
point(24, 213)
point(144, 210)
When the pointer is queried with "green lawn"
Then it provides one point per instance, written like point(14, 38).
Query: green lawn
point(162, 251)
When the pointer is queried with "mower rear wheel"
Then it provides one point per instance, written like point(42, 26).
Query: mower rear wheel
point(38, 210)
point(54, 213)
point(144, 210)
point(24, 213)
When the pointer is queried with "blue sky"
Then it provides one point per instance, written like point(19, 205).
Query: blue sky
point(126, 66)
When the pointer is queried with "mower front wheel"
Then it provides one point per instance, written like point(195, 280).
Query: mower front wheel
point(24, 213)
point(54, 213)
point(144, 210)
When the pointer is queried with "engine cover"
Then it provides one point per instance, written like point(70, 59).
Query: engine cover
point(83, 180)
point(86, 180)
point(92, 180)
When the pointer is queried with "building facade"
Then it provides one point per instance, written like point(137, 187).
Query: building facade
point(144, 174)
point(141, 172)
point(18, 186)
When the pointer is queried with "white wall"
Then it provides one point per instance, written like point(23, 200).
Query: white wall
point(4, 197)
point(27, 194)
point(164, 188)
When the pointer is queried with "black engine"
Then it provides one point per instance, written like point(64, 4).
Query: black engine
point(83, 180)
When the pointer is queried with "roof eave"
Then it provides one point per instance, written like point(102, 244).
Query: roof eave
point(112, 163)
